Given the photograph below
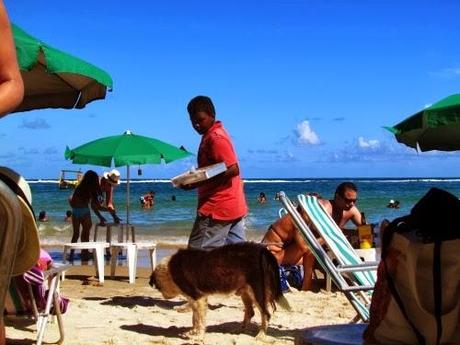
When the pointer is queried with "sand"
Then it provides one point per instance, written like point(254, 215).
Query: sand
point(121, 313)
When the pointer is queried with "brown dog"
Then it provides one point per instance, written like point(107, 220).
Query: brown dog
point(248, 269)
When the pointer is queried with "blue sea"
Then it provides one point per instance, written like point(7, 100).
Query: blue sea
point(170, 222)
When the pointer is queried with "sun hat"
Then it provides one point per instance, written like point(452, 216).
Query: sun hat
point(28, 249)
point(17, 183)
point(113, 177)
point(28, 246)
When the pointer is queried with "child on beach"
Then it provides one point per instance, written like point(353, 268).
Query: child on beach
point(221, 201)
point(88, 192)
point(68, 216)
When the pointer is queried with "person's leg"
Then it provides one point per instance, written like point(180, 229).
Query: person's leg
point(294, 254)
point(308, 265)
point(208, 233)
point(237, 232)
point(76, 221)
point(86, 228)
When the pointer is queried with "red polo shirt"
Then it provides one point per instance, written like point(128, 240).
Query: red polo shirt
point(220, 201)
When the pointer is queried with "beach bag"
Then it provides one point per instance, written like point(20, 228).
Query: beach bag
point(417, 294)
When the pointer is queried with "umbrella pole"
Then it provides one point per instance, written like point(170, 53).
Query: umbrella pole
point(127, 195)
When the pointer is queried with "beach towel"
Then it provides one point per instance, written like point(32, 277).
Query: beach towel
point(417, 295)
point(291, 276)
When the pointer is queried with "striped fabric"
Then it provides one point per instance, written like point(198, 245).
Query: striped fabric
point(335, 238)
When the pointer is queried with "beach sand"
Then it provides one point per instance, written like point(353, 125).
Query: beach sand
point(121, 313)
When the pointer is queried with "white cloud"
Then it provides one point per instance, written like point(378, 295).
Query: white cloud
point(38, 123)
point(306, 135)
point(446, 73)
point(369, 144)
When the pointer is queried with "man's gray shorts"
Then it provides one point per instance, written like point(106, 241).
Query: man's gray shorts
point(208, 233)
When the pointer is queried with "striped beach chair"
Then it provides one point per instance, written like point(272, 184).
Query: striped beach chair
point(352, 276)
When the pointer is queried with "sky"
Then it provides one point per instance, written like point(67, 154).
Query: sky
point(303, 87)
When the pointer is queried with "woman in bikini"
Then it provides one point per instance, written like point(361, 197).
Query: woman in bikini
point(88, 192)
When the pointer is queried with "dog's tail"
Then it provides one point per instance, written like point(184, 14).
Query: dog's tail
point(272, 283)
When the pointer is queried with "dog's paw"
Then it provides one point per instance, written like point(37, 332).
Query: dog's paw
point(195, 334)
point(245, 324)
point(261, 336)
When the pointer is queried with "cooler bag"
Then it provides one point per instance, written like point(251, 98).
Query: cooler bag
point(417, 295)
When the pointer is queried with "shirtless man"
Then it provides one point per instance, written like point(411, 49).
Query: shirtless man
point(342, 208)
point(287, 245)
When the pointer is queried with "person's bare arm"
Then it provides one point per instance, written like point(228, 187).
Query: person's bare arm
point(356, 217)
point(11, 84)
point(97, 207)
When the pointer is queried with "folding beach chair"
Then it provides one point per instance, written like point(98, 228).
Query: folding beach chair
point(26, 294)
point(34, 296)
point(356, 279)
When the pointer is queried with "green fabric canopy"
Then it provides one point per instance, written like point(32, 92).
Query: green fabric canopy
point(126, 149)
point(55, 79)
point(436, 127)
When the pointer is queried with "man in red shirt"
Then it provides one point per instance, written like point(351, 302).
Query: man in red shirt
point(221, 202)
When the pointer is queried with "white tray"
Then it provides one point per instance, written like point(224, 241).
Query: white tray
point(197, 175)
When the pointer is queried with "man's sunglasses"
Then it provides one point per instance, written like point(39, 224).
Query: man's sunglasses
point(348, 201)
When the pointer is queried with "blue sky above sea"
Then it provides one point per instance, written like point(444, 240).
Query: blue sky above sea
point(304, 87)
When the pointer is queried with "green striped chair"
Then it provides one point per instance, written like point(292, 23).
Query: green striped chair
point(352, 276)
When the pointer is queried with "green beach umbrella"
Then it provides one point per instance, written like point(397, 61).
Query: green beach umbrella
point(126, 149)
point(55, 79)
point(436, 127)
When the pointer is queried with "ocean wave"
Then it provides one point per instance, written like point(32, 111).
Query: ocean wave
point(122, 181)
point(276, 181)
point(408, 180)
point(288, 180)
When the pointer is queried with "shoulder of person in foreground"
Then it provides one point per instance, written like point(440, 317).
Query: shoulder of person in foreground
point(11, 84)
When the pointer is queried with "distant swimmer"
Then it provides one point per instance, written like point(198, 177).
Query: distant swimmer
point(262, 199)
point(68, 216)
point(42, 217)
point(147, 200)
point(393, 204)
